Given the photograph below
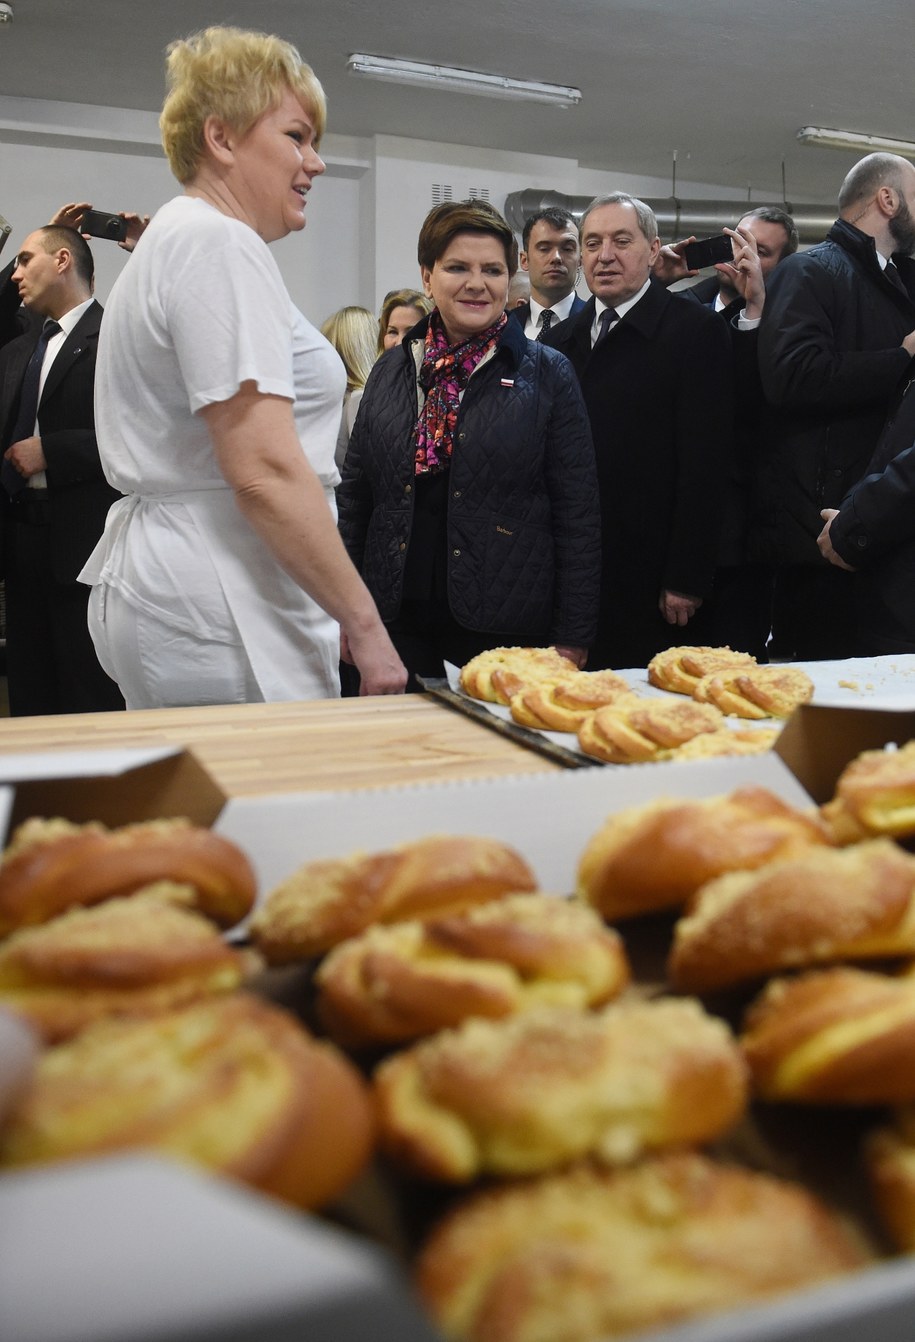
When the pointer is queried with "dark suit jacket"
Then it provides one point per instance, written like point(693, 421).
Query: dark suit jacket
point(79, 496)
point(522, 314)
point(659, 393)
point(14, 318)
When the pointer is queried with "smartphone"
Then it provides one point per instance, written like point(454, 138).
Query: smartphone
point(101, 225)
point(5, 230)
point(708, 252)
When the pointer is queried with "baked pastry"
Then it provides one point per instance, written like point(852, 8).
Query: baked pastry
point(396, 983)
point(727, 741)
point(889, 1155)
point(649, 729)
point(526, 1094)
point(756, 692)
point(132, 956)
point(679, 669)
point(875, 794)
point(562, 706)
point(587, 1255)
point(325, 902)
point(823, 906)
point(834, 1036)
point(498, 673)
point(52, 865)
point(656, 856)
point(230, 1083)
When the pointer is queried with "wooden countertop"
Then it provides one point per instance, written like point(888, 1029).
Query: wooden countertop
point(316, 745)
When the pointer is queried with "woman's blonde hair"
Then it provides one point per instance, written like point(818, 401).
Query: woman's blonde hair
point(236, 76)
point(352, 333)
point(400, 298)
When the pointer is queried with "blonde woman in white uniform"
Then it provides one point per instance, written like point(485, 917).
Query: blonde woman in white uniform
point(220, 577)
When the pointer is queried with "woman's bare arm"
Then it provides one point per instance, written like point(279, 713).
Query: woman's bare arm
point(280, 496)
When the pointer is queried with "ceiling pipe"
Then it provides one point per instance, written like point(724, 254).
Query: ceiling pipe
point(677, 218)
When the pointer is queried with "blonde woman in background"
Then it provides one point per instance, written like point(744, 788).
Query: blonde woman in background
point(400, 311)
point(353, 332)
point(220, 577)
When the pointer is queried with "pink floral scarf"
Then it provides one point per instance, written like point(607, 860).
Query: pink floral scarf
point(443, 375)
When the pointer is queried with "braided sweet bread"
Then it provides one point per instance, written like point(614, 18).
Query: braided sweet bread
point(534, 1091)
point(396, 983)
point(590, 1254)
point(648, 729)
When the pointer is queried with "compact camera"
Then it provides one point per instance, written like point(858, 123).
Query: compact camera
point(101, 225)
point(708, 252)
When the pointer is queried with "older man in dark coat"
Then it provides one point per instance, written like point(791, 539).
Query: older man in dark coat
point(657, 381)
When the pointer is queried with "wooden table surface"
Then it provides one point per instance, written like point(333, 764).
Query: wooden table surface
point(297, 747)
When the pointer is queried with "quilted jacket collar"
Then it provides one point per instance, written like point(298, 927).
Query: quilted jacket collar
point(512, 342)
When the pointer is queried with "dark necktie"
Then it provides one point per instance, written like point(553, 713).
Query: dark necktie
point(607, 318)
point(895, 279)
point(546, 321)
point(24, 427)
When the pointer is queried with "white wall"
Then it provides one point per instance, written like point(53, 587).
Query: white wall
point(363, 214)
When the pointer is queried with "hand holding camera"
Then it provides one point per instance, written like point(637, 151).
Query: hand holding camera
point(124, 228)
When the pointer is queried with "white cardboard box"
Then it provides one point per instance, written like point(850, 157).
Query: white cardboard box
point(548, 819)
point(135, 1248)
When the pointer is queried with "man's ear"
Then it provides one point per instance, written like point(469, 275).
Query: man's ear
point(889, 201)
point(522, 260)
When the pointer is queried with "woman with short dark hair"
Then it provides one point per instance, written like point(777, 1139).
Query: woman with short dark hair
point(469, 494)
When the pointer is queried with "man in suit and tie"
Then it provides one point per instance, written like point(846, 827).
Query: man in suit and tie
point(54, 496)
point(551, 257)
point(657, 381)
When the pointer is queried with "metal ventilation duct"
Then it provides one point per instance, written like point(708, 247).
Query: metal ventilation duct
point(677, 218)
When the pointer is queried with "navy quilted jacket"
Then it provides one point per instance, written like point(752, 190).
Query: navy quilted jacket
point(523, 528)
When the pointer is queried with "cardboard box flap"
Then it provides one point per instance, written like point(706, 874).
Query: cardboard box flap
point(115, 787)
point(817, 742)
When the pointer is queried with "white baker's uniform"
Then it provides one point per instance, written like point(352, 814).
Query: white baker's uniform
point(199, 309)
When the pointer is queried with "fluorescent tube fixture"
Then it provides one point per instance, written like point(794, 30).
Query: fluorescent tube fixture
point(851, 139)
point(461, 81)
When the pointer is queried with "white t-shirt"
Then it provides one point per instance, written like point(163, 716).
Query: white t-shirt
point(199, 309)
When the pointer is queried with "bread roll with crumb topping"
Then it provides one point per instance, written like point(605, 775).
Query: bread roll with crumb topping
point(125, 957)
point(526, 1094)
point(635, 732)
point(756, 692)
point(823, 906)
point(498, 673)
point(401, 982)
point(875, 795)
point(727, 741)
point(562, 706)
point(833, 1036)
point(232, 1084)
point(889, 1155)
point(325, 902)
point(657, 856)
point(679, 669)
point(53, 865)
point(588, 1255)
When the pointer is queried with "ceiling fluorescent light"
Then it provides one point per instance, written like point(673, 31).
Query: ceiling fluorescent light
point(462, 81)
point(851, 139)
